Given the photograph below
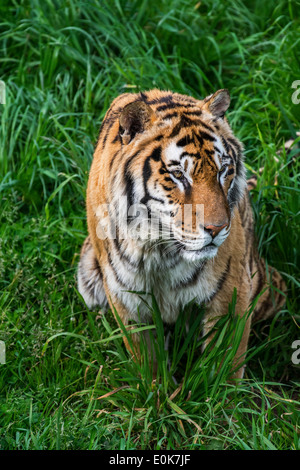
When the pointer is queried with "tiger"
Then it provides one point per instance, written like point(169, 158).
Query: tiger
point(163, 152)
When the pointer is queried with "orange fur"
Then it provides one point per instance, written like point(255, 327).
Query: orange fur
point(138, 138)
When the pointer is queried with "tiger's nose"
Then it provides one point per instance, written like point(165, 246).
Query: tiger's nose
point(214, 230)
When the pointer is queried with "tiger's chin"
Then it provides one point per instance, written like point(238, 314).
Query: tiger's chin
point(207, 252)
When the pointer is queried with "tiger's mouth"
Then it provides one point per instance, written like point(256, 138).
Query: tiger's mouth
point(204, 246)
point(192, 252)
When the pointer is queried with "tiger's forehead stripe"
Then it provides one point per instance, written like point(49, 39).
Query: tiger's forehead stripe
point(219, 151)
point(173, 152)
point(176, 152)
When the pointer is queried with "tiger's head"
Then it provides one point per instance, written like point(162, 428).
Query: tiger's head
point(183, 163)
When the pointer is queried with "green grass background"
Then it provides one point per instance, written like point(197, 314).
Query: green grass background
point(63, 62)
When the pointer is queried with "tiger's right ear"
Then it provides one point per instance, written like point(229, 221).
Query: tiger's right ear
point(135, 118)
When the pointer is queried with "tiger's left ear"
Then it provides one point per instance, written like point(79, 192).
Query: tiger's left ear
point(135, 118)
point(218, 103)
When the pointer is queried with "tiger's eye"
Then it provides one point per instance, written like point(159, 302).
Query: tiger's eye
point(178, 174)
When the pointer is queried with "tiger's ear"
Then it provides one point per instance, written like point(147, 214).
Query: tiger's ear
point(218, 103)
point(135, 118)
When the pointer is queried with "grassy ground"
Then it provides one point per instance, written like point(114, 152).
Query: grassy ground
point(68, 382)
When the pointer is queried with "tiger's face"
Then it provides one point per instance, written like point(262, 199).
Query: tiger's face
point(188, 173)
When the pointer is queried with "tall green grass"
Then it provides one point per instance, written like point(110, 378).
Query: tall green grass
point(68, 382)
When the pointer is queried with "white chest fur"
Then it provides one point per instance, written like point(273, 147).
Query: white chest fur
point(174, 283)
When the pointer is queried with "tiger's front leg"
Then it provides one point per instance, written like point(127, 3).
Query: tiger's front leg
point(218, 307)
point(95, 292)
point(132, 341)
